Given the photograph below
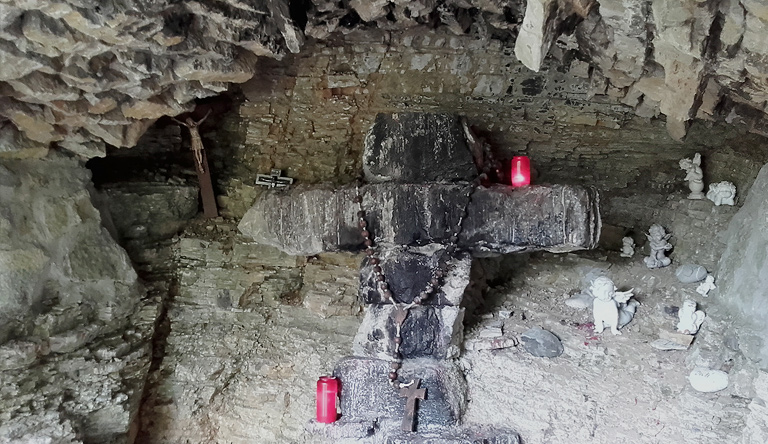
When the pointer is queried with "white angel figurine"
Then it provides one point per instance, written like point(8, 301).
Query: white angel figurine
point(694, 176)
point(690, 318)
point(708, 285)
point(611, 308)
point(722, 193)
point(657, 238)
point(628, 247)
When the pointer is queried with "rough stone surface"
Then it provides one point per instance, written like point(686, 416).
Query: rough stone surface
point(60, 267)
point(417, 148)
point(742, 274)
point(66, 65)
point(409, 272)
point(309, 220)
point(707, 380)
point(79, 73)
point(329, 287)
point(375, 399)
point(690, 273)
point(428, 331)
point(469, 435)
point(541, 343)
point(76, 324)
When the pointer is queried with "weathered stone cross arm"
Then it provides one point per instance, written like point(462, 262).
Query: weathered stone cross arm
point(313, 219)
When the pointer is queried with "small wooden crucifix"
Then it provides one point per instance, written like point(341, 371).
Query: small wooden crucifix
point(274, 179)
point(412, 392)
point(201, 166)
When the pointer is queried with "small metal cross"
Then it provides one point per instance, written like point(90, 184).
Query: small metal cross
point(412, 392)
point(274, 179)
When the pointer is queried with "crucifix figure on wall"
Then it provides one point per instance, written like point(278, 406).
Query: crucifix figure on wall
point(201, 165)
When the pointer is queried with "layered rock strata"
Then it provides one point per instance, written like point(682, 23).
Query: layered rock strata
point(75, 324)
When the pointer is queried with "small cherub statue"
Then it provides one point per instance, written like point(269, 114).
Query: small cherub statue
point(722, 193)
point(628, 247)
point(690, 318)
point(694, 176)
point(611, 308)
point(658, 238)
point(705, 287)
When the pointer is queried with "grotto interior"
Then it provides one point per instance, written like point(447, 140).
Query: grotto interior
point(154, 292)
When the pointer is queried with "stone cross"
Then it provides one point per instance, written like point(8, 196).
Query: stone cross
point(201, 166)
point(418, 167)
point(412, 392)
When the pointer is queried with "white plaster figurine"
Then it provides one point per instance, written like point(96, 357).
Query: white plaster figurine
point(611, 308)
point(722, 193)
point(690, 318)
point(628, 249)
point(658, 241)
point(705, 287)
point(694, 176)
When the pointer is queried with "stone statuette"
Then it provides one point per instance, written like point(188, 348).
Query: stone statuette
point(611, 308)
point(694, 176)
point(658, 237)
point(690, 318)
point(628, 247)
point(708, 285)
point(722, 193)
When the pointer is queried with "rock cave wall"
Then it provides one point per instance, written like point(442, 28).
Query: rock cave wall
point(589, 116)
point(308, 115)
point(76, 323)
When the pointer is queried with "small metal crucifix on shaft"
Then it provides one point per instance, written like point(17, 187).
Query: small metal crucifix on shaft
point(201, 166)
point(275, 179)
point(412, 392)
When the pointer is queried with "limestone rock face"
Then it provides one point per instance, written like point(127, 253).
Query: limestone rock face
point(75, 327)
point(85, 72)
point(742, 275)
point(309, 220)
point(57, 260)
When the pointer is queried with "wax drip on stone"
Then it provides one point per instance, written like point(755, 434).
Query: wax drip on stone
point(402, 309)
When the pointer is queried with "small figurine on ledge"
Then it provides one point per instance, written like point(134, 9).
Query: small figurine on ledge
point(658, 238)
point(694, 176)
point(611, 308)
point(722, 193)
point(690, 318)
point(705, 287)
point(628, 247)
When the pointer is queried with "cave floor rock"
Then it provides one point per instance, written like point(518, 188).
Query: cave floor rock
point(604, 388)
point(249, 376)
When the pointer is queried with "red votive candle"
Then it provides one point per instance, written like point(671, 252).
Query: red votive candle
point(327, 392)
point(520, 173)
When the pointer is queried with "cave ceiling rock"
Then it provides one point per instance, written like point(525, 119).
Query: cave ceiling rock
point(87, 72)
point(82, 73)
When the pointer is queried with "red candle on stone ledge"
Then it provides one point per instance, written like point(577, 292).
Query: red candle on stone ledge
point(327, 393)
point(520, 173)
